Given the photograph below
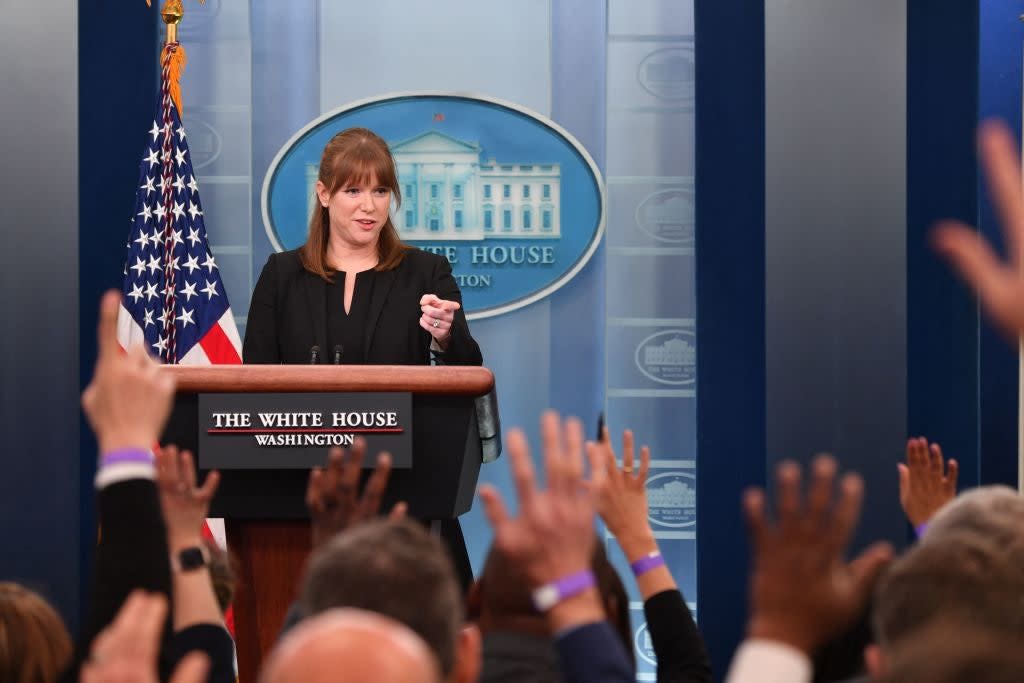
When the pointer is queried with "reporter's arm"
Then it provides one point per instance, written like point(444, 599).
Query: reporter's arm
point(588, 648)
point(622, 503)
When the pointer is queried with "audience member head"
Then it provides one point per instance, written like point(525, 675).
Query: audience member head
point(395, 568)
point(34, 645)
point(995, 512)
point(351, 646)
point(946, 652)
point(967, 579)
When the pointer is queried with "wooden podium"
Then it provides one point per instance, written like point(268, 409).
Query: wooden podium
point(264, 509)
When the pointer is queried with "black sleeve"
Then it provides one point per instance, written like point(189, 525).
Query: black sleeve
point(462, 348)
point(677, 643)
point(593, 653)
point(261, 345)
point(132, 553)
point(215, 642)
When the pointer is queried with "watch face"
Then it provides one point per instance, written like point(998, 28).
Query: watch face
point(191, 558)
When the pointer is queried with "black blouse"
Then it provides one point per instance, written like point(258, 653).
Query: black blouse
point(348, 329)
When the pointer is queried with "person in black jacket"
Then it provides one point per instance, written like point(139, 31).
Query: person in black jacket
point(354, 290)
point(354, 293)
point(127, 404)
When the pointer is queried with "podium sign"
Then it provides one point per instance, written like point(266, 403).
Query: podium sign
point(294, 430)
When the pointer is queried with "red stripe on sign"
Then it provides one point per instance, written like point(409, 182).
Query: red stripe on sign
point(296, 430)
point(219, 348)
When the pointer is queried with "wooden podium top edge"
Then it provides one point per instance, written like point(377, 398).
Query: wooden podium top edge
point(418, 379)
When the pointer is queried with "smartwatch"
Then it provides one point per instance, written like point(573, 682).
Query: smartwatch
point(189, 559)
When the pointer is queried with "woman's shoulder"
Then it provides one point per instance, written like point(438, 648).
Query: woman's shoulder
point(285, 262)
point(418, 259)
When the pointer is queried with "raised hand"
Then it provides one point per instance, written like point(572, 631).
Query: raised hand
point(621, 497)
point(553, 535)
point(926, 484)
point(999, 284)
point(129, 398)
point(332, 494)
point(185, 505)
point(438, 316)
point(802, 590)
point(126, 651)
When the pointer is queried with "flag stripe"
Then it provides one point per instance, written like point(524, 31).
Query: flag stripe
point(218, 347)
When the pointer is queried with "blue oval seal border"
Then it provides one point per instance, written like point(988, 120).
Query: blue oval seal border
point(536, 238)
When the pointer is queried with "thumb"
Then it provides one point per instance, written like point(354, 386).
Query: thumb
point(399, 511)
point(869, 564)
point(904, 478)
point(192, 669)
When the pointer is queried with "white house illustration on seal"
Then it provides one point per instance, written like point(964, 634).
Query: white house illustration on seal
point(448, 193)
point(673, 494)
point(675, 351)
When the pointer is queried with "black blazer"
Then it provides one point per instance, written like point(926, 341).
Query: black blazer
point(287, 315)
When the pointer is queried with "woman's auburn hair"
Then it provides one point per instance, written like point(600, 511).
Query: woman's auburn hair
point(355, 155)
point(34, 644)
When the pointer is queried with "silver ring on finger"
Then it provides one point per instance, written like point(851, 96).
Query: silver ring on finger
point(436, 323)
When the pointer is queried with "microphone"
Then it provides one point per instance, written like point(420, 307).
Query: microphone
point(338, 349)
point(314, 355)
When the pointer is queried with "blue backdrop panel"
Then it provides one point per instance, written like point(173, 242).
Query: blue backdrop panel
point(651, 303)
point(942, 316)
point(1000, 73)
point(730, 182)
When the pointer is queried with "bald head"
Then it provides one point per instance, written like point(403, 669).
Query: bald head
point(350, 645)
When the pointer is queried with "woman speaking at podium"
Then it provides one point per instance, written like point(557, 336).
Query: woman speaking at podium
point(354, 293)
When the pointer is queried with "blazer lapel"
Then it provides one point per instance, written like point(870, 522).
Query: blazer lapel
point(316, 299)
point(381, 289)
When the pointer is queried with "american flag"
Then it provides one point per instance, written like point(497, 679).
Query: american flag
point(174, 300)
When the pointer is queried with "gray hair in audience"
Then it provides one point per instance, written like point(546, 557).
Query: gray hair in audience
point(394, 568)
point(995, 512)
point(946, 652)
point(969, 578)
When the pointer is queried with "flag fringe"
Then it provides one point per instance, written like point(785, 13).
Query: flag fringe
point(175, 53)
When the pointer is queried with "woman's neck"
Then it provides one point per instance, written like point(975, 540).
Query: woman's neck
point(350, 259)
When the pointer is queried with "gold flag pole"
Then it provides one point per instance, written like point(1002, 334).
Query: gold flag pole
point(172, 57)
point(172, 12)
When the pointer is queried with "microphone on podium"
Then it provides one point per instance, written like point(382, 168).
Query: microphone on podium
point(314, 355)
point(338, 349)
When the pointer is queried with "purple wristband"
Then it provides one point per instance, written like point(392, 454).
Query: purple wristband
point(127, 455)
point(921, 528)
point(549, 595)
point(651, 560)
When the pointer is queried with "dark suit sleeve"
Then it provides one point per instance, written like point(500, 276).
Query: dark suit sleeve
point(261, 339)
point(215, 642)
point(678, 646)
point(593, 654)
point(462, 348)
point(132, 553)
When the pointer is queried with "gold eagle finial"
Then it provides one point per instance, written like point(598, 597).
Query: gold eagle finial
point(172, 12)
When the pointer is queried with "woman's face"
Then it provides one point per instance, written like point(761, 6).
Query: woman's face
point(357, 212)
